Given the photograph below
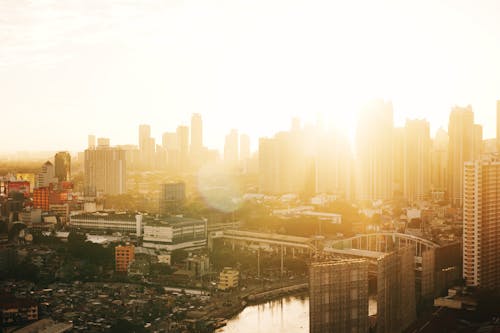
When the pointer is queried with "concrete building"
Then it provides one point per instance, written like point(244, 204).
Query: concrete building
point(146, 147)
point(175, 233)
point(228, 279)
point(46, 176)
point(439, 161)
point(374, 139)
point(196, 133)
point(62, 161)
point(105, 171)
point(417, 167)
point(396, 308)
point(183, 147)
point(498, 126)
point(172, 198)
point(338, 300)
point(91, 141)
point(231, 150)
point(463, 137)
point(333, 165)
point(481, 221)
point(15, 310)
point(107, 221)
point(124, 256)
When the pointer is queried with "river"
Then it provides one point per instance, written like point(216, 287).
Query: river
point(286, 315)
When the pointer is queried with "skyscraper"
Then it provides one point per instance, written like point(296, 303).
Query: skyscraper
point(481, 222)
point(91, 141)
point(338, 300)
point(46, 176)
point(439, 161)
point(196, 133)
point(62, 161)
point(183, 147)
point(374, 137)
point(105, 171)
point(231, 147)
point(417, 145)
point(333, 165)
point(498, 126)
point(460, 149)
point(244, 147)
point(147, 147)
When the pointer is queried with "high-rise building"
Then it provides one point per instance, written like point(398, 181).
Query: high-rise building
point(398, 160)
point(231, 154)
point(244, 147)
point(417, 171)
point(374, 139)
point(105, 171)
point(439, 161)
point(91, 141)
point(103, 142)
point(196, 133)
point(62, 161)
point(268, 166)
point(46, 176)
point(172, 197)
point(481, 221)
point(338, 296)
point(147, 147)
point(333, 165)
point(396, 308)
point(171, 143)
point(462, 137)
point(498, 126)
point(183, 147)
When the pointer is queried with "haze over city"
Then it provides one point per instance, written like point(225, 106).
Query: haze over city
point(250, 166)
point(247, 65)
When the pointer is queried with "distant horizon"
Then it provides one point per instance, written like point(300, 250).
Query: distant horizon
point(69, 69)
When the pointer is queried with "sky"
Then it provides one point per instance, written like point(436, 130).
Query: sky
point(78, 67)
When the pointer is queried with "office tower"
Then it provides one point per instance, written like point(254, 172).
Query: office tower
point(102, 142)
point(398, 160)
point(172, 198)
point(478, 141)
point(231, 147)
point(333, 165)
point(46, 176)
point(183, 147)
point(91, 141)
point(244, 147)
point(439, 161)
point(460, 149)
point(338, 296)
point(481, 220)
point(171, 144)
point(374, 137)
point(105, 171)
point(146, 146)
point(417, 171)
point(396, 308)
point(498, 126)
point(196, 133)
point(62, 162)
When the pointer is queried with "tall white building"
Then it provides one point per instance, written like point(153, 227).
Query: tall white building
point(105, 171)
point(374, 149)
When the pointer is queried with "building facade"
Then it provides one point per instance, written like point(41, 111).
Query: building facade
point(481, 220)
point(105, 171)
point(338, 299)
point(124, 256)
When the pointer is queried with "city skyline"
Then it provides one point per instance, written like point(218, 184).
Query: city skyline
point(125, 66)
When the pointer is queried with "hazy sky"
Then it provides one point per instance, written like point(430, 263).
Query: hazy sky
point(74, 67)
